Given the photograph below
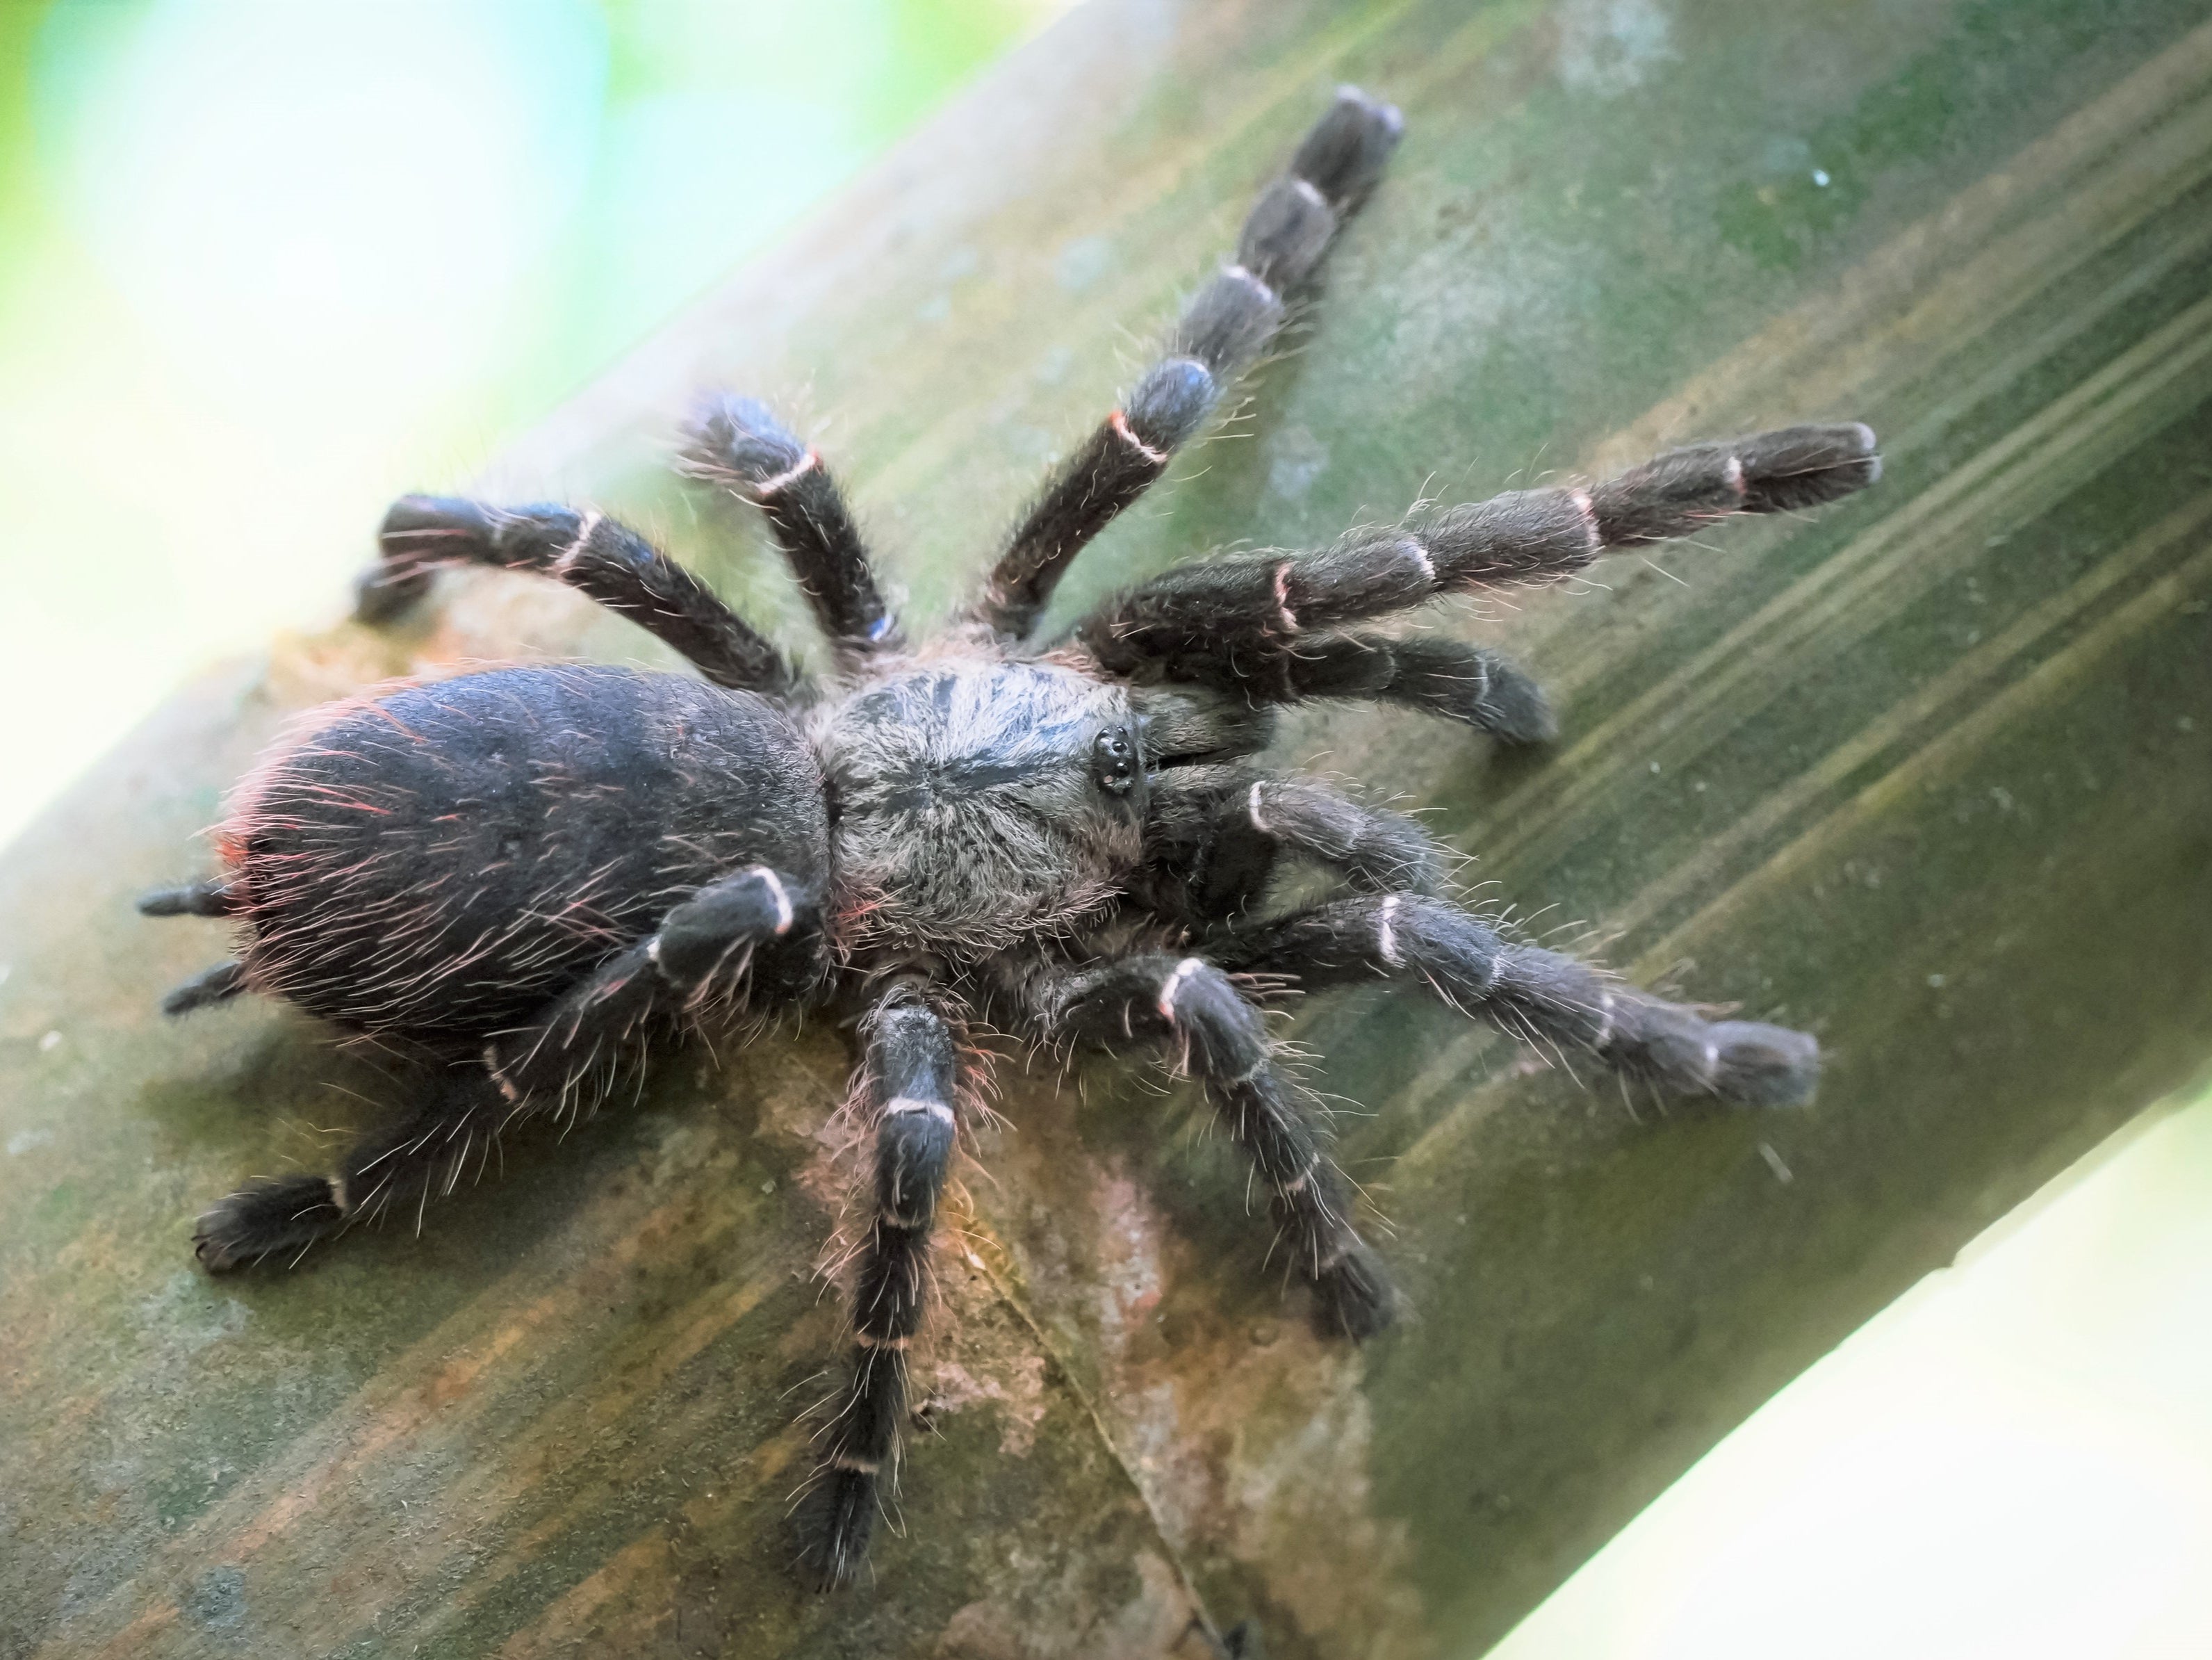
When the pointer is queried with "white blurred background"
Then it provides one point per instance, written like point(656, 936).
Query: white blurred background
point(264, 264)
point(2012, 1462)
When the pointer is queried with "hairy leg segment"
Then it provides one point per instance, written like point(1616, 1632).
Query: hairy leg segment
point(737, 443)
point(1541, 996)
point(907, 1084)
point(560, 1065)
point(1266, 624)
point(587, 552)
point(1212, 1031)
point(1219, 832)
point(1227, 325)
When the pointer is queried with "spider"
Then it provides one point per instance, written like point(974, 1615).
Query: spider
point(535, 874)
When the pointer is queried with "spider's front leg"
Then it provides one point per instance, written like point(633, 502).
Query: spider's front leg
point(1540, 996)
point(1219, 1037)
point(750, 934)
point(907, 1080)
point(1274, 625)
point(1226, 325)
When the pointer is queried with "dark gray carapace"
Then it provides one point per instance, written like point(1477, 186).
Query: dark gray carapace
point(531, 877)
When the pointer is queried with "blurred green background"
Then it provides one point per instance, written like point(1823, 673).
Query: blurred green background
point(263, 265)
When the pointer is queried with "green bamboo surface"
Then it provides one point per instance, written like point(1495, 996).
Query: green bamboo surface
point(1930, 774)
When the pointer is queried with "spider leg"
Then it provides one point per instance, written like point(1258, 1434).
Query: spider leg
point(1215, 834)
point(1428, 672)
point(1239, 620)
point(1226, 324)
point(1185, 725)
point(1221, 1038)
point(737, 443)
point(216, 984)
point(558, 1065)
point(1532, 993)
point(908, 1074)
point(399, 1165)
point(211, 898)
point(590, 553)
point(210, 986)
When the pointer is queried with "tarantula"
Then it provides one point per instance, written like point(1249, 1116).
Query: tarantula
point(536, 873)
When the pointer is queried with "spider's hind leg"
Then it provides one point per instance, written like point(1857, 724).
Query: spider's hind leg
point(558, 1065)
point(399, 1165)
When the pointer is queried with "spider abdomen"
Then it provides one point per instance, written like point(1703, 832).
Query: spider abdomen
point(437, 862)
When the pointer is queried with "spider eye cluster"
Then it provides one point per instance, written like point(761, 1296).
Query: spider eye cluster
point(1114, 762)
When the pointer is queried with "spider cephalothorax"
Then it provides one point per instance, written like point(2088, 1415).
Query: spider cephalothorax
point(532, 875)
point(981, 801)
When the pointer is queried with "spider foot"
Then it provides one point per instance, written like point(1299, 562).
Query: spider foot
point(382, 597)
point(278, 1213)
point(1763, 1066)
point(1353, 1297)
point(212, 986)
point(836, 1521)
